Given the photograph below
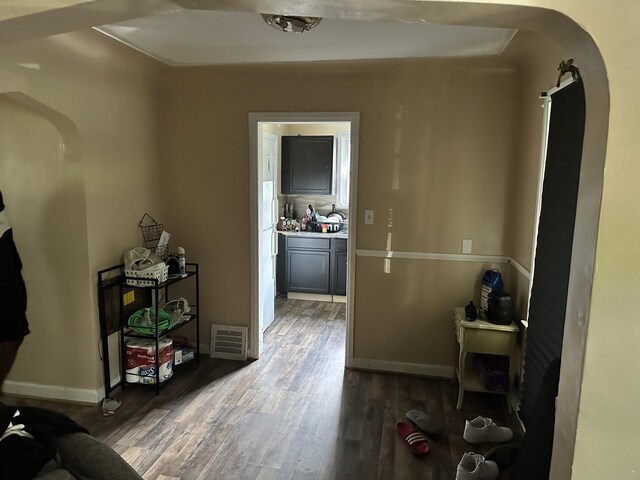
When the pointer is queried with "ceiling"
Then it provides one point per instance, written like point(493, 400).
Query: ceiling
point(206, 37)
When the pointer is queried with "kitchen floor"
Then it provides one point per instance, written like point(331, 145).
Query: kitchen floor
point(295, 413)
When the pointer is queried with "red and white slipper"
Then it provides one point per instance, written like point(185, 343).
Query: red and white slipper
point(417, 442)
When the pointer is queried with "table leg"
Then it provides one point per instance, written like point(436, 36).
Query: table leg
point(461, 360)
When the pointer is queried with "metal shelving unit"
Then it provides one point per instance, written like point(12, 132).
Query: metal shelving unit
point(115, 312)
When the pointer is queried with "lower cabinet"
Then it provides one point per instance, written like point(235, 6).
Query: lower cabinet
point(308, 271)
point(339, 273)
point(281, 264)
point(312, 265)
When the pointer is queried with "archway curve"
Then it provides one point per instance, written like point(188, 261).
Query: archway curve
point(551, 24)
point(64, 125)
point(71, 144)
point(54, 243)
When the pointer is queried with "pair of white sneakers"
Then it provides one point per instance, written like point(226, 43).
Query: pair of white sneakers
point(473, 466)
point(483, 429)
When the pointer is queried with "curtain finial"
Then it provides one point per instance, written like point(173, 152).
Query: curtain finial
point(566, 67)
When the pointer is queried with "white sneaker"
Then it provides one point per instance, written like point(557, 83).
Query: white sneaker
point(474, 467)
point(483, 429)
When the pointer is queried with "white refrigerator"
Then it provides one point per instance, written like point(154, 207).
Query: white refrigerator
point(268, 248)
point(268, 253)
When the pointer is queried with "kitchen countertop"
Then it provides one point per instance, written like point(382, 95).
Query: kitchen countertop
point(344, 233)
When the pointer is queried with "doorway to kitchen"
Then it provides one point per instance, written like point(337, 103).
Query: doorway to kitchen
point(270, 201)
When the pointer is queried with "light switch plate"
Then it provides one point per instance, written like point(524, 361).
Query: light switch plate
point(466, 245)
point(368, 217)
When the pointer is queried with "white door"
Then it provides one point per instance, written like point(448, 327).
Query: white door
point(268, 212)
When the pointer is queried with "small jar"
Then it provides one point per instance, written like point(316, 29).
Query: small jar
point(324, 228)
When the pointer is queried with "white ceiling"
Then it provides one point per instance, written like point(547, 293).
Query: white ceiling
point(205, 37)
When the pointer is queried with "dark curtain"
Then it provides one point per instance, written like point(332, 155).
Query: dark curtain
point(555, 239)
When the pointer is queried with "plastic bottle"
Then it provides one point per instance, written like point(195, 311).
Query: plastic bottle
point(182, 265)
point(471, 312)
point(146, 319)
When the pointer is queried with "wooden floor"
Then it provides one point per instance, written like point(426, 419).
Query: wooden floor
point(295, 413)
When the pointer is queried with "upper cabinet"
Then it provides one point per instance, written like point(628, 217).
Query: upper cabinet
point(307, 164)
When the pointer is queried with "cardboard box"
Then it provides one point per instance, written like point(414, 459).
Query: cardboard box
point(183, 355)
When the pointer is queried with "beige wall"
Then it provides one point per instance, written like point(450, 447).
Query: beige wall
point(78, 166)
point(437, 138)
point(409, 303)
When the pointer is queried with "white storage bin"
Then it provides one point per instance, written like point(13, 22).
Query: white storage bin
point(144, 278)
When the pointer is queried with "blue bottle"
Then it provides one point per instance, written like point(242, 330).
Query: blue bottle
point(491, 282)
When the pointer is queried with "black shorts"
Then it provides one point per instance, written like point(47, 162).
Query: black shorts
point(13, 308)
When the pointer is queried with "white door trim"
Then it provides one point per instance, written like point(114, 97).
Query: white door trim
point(255, 118)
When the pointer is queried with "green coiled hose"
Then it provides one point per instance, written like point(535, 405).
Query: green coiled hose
point(143, 321)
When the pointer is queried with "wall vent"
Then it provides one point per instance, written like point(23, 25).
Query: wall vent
point(229, 342)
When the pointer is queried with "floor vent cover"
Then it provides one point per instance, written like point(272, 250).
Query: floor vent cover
point(229, 342)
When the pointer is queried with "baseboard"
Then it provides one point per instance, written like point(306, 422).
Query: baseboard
point(436, 371)
point(53, 392)
point(205, 348)
point(57, 392)
point(316, 297)
point(339, 299)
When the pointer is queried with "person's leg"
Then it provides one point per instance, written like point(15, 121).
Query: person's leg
point(89, 458)
point(51, 471)
point(8, 352)
point(13, 323)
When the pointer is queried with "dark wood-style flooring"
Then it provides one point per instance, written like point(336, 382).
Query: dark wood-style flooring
point(295, 413)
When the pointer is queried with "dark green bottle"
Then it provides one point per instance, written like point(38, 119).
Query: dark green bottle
point(471, 312)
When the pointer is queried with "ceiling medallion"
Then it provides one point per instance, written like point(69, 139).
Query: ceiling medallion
point(290, 23)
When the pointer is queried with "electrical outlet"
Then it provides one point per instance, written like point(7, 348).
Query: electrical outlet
point(466, 245)
point(368, 217)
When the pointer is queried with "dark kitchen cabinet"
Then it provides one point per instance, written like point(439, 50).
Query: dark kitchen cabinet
point(281, 265)
point(312, 265)
point(307, 164)
point(339, 267)
point(308, 264)
point(308, 271)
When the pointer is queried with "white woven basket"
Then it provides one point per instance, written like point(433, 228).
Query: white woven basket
point(144, 278)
